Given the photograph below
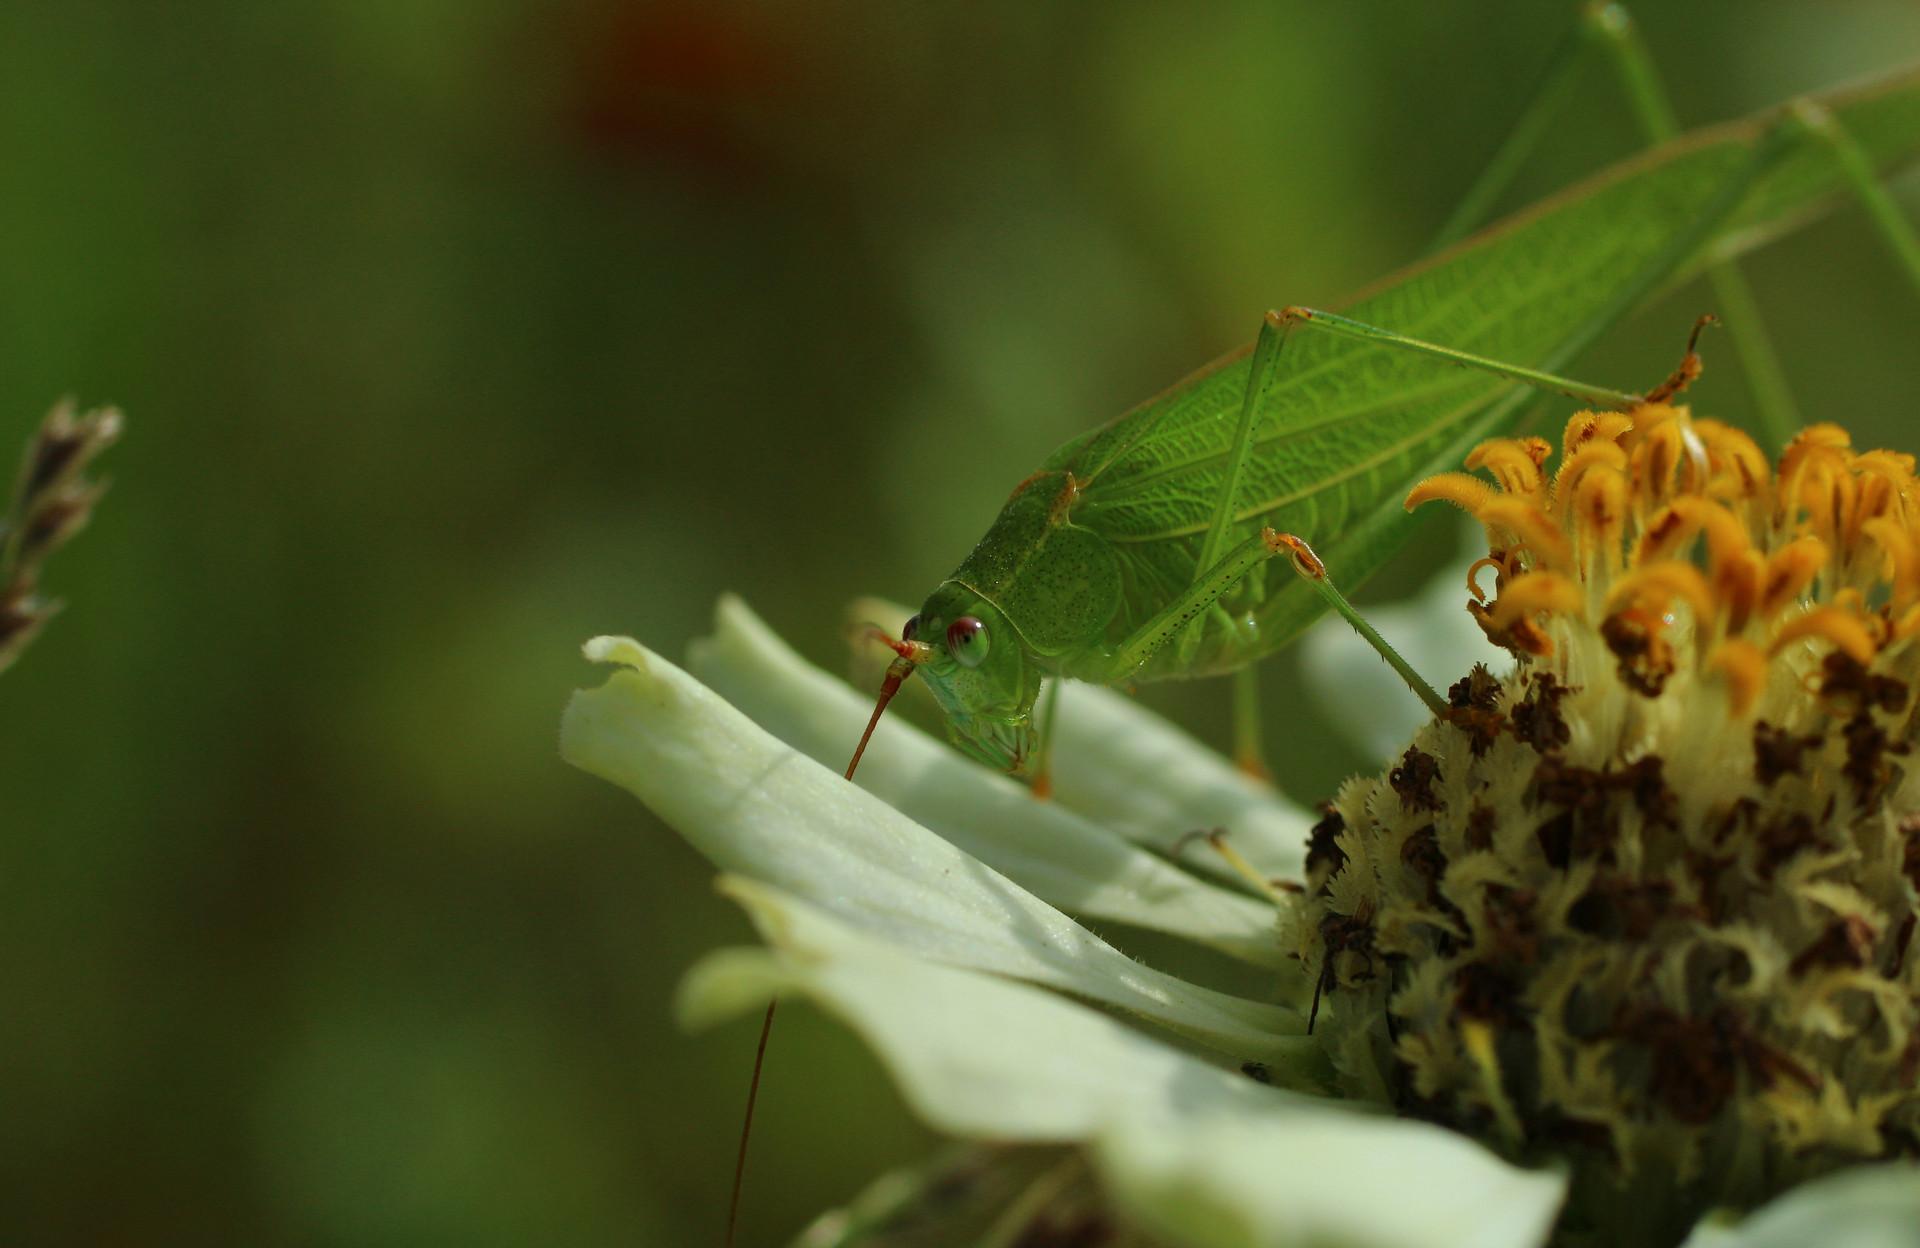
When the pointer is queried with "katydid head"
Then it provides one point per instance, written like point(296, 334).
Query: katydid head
point(978, 669)
point(977, 665)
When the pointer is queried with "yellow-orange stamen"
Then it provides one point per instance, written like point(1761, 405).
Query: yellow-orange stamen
point(1844, 630)
point(1670, 530)
point(1903, 559)
point(1790, 571)
point(1467, 493)
point(1736, 466)
point(1654, 586)
point(1576, 464)
point(1473, 572)
point(1599, 510)
point(1514, 462)
point(1656, 461)
point(1584, 427)
point(1545, 541)
point(1744, 667)
point(1736, 586)
point(1536, 591)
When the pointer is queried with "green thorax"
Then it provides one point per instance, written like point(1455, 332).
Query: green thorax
point(1056, 582)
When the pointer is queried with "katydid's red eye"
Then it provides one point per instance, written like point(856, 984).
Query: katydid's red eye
point(967, 641)
point(910, 629)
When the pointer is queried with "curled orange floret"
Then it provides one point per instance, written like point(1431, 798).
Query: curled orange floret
point(1790, 570)
point(1513, 462)
point(1468, 493)
point(1654, 586)
point(1844, 630)
point(1743, 666)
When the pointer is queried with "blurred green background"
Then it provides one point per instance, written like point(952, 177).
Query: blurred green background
point(451, 333)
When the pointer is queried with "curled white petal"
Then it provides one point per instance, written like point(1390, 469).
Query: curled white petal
point(1865, 1207)
point(1138, 774)
point(1060, 856)
point(1239, 1180)
point(1202, 1156)
point(1132, 771)
point(754, 806)
point(974, 1055)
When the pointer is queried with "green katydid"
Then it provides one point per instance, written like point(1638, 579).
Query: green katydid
point(1139, 551)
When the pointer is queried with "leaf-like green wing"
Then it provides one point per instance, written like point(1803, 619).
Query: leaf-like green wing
point(1351, 424)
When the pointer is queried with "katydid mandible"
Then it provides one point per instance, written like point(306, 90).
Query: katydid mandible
point(1140, 551)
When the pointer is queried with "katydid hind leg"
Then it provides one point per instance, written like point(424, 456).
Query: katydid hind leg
point(1641, 83)
point(1608, 27)
point(1556, 87)
point(1537, 378)
point(1895, 231)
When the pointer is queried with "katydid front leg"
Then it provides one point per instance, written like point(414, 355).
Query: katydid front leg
point(1167, 623)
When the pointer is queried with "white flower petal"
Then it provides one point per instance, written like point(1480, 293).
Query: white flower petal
point(1138, 774)
point(1432, 631)
point(1058, 855)
point(1237, 1181)
point(1133, 772)
point(1202, 1156)
point(754, 806)
point(975, 1056)
point(1865, 1207)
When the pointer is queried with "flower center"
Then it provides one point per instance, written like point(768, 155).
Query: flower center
point(1647, 903)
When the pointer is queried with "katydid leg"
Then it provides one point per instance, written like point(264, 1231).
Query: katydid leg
point(1275, 330)
point(1267, 347)
point(1166, 624)
point(1314, 572)
point(1041, 785)
point(1739, 310)
point(1249, 746)
point(1608, 27)
point(1550, 97)
point(1345, 327)
point(1888, 221)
